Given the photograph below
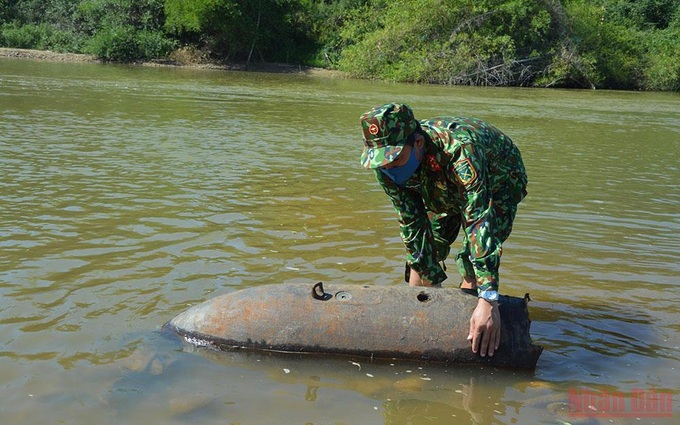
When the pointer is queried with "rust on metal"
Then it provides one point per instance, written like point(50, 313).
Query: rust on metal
point(380, 322)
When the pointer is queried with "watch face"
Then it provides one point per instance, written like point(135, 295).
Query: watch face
point(490, 295)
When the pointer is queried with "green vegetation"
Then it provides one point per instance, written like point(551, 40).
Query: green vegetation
point(620, 44)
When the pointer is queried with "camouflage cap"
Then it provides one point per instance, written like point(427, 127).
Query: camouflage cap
point(386, 129)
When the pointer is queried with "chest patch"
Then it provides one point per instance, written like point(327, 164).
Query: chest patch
point(465, 171)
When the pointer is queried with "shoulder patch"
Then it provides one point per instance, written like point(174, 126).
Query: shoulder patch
point(465, 171)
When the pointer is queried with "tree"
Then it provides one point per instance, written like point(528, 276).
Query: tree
point(124, 30)
point(487, 42)
point(239, 29)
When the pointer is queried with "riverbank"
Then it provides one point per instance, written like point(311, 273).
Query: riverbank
point(177, 59)
point(45, 55)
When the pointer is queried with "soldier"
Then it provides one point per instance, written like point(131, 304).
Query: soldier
point(442, 174)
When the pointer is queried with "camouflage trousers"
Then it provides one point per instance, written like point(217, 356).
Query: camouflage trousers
point(446, 227)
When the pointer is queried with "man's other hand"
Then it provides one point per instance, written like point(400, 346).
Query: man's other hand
point(485, 328)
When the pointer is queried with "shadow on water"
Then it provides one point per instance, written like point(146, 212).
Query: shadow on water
point(186, 383)
point(305, 387)
point(566, 328)
point(585, 344)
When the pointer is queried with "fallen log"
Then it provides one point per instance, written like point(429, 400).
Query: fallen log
point(378, 322)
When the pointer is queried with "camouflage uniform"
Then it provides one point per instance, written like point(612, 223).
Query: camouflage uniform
point(471, 176)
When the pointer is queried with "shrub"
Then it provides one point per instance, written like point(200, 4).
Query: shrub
point(39, 36)
point(30, 36)
point(114, 44)
point(154, 44)
point(127, 44)
point(662, 61)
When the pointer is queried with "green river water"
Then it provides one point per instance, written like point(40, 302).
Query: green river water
point(128, 194)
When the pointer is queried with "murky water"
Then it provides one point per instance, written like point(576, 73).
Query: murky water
point(128, 194)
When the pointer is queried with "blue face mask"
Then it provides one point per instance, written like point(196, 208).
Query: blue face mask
point(400, 175)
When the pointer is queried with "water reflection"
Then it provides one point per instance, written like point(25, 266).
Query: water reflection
point(391, 393)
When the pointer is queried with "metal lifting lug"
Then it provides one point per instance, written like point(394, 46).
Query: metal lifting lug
point(319, 294)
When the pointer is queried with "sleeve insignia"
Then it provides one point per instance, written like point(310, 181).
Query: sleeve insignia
point(465, 171)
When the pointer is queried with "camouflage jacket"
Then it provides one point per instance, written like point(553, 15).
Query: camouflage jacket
point(466, 164)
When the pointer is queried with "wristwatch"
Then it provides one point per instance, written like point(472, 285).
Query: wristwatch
point(489, 295)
